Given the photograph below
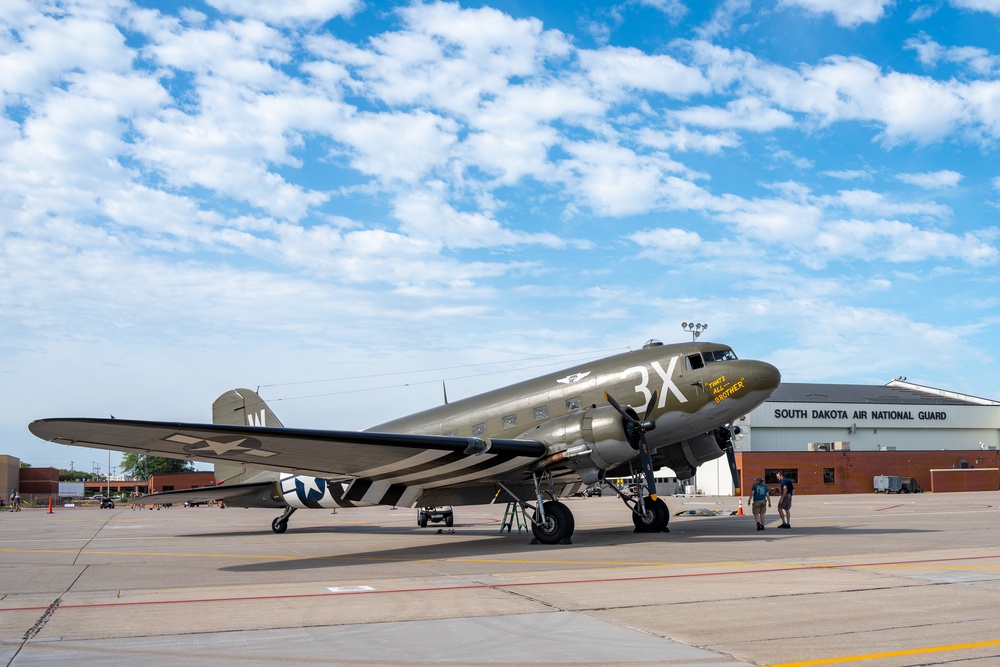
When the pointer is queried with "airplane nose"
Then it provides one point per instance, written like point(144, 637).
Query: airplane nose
point(765, 374)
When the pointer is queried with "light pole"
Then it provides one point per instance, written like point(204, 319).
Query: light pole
point(694, 329)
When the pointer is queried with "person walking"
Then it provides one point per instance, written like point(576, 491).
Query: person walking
point(759, 501)
point(17, 502)
point(785, 502)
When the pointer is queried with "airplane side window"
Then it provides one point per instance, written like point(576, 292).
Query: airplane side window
point(478, 429)
point(541, 412)
point(510, 421)
point(694, 362)
point(573, 403)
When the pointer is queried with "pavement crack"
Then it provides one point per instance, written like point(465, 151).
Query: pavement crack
point(33, 631)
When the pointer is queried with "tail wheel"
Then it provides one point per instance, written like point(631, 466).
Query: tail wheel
point(279, 526)
point(558, 524)
point(654, 520)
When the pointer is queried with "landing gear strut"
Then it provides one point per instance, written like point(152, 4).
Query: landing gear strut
point(554, 524)
point(551, 521)
point(648, 515)
point(280, 524)
point(653, 519)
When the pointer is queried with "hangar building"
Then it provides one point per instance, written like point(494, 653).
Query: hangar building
point(835, 438)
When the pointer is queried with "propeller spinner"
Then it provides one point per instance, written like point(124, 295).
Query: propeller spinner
point(635, 434)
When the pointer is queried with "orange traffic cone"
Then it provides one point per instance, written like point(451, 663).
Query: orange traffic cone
point(740, 511)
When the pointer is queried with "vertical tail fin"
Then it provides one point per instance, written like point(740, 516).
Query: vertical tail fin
point(242, 407)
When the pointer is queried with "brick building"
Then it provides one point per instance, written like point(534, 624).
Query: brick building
point(836, 438)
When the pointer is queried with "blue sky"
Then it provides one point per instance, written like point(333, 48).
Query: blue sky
point(349, 203)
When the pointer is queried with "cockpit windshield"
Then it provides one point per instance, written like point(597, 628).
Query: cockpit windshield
point(719, 355)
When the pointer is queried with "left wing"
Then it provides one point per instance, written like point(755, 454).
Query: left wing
point(411, 459)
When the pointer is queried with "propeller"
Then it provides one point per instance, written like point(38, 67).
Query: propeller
point(635, 434)
point(726, 434)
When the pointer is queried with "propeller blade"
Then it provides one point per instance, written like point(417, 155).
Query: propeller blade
point(731, 455)
point(649, 406)
point(610, 399)
point(636, 435)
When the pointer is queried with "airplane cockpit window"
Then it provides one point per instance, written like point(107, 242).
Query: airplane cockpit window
point(719, 355)
point(694, 362)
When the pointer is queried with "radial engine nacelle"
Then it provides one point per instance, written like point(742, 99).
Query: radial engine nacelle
point(589, 442)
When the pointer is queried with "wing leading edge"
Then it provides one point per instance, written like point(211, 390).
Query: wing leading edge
point(391, 458)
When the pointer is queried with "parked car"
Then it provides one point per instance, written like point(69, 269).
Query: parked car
point(594, 491)
point(435, 515)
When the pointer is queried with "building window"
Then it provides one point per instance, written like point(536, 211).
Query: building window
point(771, 475)
point(828, 476)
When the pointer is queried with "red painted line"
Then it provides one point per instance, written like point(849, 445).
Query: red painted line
point(570, 582)
point(889, 507)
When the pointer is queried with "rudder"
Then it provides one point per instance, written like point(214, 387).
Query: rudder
point(242, 407)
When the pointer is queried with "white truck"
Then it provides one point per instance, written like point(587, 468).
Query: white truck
point(888, 484)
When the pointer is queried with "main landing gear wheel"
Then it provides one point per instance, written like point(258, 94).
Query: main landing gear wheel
point(654, 520)
point(558, 525)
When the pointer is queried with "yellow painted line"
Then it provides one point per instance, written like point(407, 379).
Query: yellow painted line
point(889, 654)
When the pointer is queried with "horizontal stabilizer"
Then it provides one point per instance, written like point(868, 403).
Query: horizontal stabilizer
point(254, 494)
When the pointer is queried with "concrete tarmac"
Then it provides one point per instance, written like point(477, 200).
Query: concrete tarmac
point(881, 580)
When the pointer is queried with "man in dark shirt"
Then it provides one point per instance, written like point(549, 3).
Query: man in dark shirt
point(785, 503)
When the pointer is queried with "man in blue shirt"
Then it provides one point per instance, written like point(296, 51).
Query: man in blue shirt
point(759, 500)
point(785, 503)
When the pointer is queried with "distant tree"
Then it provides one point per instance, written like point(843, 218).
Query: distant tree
point(140, 466)
point(25, 465)
point(76, 476)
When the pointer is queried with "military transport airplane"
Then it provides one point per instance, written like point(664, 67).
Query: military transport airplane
point(534, 441)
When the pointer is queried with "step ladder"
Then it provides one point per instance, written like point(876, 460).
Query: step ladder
point(514, 514)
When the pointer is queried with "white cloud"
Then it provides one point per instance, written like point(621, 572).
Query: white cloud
point(877, 204)
point(664, 245)
point(747, 113)
point(897, 241)
point(935, 180)
point(403, 146)
point(616, 181)
point(616, 70)
point(991, 6)
point(849, 174)
point(282, 13)
point(847, 13)
point(675, 9)
point(723, 18)
point(684, 140)
point(426, 215)
point(979, 61)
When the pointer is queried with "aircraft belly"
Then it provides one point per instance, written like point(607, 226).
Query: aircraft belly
point(490, 473)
